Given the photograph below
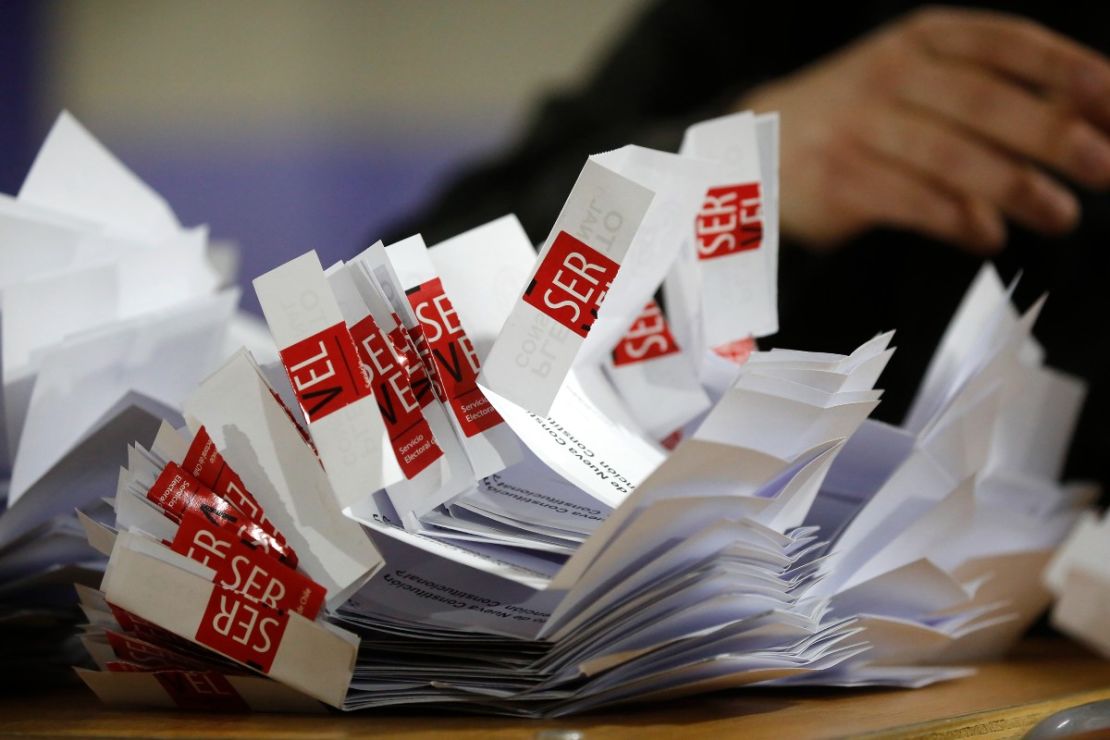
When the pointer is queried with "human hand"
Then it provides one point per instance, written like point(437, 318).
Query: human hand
point(943, 122)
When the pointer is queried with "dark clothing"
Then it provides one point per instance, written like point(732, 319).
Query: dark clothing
point(687, 60)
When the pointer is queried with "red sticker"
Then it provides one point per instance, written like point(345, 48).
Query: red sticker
point(405, 347)
point(244, 567)
point(672, 440)
point(325, 372)
point(122, 666)
point(136, 625)
point(150, 656)
point(206, 690)
point(730, 221)
point(649, 337)
point(571, 283)
point(413, 442)
point(451, 353)
point(737, 351)
point(180, 495)
point(242, 629)
point(205, 463)
point(173, 491)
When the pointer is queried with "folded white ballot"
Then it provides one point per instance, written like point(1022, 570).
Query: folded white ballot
point(522, 487)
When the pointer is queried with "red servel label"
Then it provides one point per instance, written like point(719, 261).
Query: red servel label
point(414, 445)
point(149, 656)
point(453, 358)
point(204, 690)
point(243, 566)
point(180, 495)
point(404, 346)
point(174, 491)
point(242, 629)
point(571, 283)
point(648, 337)
point(730, 221)
point(205, 463)
point(136, 625)
point(325, 372)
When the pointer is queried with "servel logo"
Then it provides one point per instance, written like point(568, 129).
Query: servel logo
point(325, 372)
point(571, 283)
point(648, 337)
point(730, 221)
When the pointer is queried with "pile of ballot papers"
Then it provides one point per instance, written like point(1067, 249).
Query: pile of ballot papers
point(110, 313)
point(489, 481)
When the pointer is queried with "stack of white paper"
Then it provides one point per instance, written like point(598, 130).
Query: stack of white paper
point(110, 313)
point(511, 484)
point(939, 531)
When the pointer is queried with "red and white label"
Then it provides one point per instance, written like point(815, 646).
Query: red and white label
point(180, 496)
point(148, 655)
point(325, 372)
point(413, 442)
point(147, 630)
point(451, 354)
point(245, 568)
point(204, 690)
point(730, 221)
point(404, 347)
point(571, 283)
point(242, 628)
point(649, 337)
point(205, 463)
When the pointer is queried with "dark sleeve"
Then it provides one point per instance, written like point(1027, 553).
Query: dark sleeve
point(678, 63)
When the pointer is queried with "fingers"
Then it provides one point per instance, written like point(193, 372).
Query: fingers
point(1019, 48)
point(877, 190)
point(1012, 117)
point(968, 166)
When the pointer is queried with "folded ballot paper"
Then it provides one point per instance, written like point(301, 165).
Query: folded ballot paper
point(110, 313)
point(485, 480)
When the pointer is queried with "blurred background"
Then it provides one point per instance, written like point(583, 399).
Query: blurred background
point(290, 125)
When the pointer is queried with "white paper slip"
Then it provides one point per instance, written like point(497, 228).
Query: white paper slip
point(735, 255)
point(74, 173)
point(562, 299)
point(452, 361)
point(331, 387)
point(482, 270)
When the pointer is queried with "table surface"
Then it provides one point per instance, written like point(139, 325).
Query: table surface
point(1004, 699)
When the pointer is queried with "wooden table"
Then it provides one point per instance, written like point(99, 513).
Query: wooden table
point(1043, 676)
